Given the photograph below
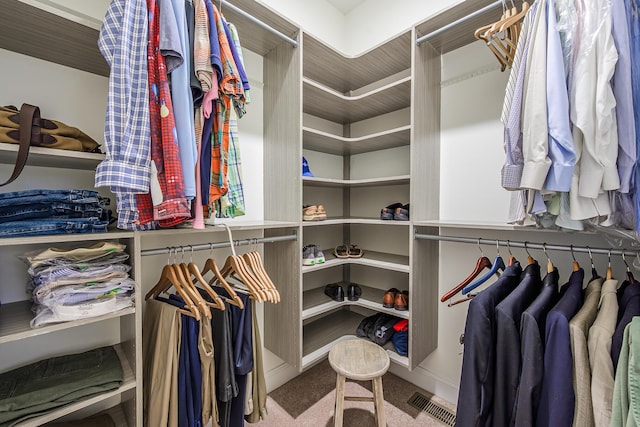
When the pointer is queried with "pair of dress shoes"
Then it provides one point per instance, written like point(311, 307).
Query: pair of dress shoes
point(396, 299)
point(335, 291)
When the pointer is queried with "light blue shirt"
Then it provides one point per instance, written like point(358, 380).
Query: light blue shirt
point(183, 105)
point(561, 151)
point(621, 83)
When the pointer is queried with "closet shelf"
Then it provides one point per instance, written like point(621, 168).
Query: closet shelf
point(324, 102)
point(345, 73)
point(15, 318)
point(234, 225)
point(368, 221)
point(368, 182)
point(65, 238)
point(371, 258)
point(52, 157)
point(326, 142)
point(315, 302)
point(443, 223)
point(129, 383)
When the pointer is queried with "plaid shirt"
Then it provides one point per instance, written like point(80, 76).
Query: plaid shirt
point(122, 42)
point(231, 204)
point(168, 206)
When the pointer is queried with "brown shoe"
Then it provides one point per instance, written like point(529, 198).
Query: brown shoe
point(389, 298)
point(401, 302)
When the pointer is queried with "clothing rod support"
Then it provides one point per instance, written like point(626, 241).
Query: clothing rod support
point(208, 246)
point(459, 21)
point(529, 245)
point(259, 23)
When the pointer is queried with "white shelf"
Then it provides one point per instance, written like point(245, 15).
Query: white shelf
point(15, 318)
point(52, 157)
point(128, 383)
point(317, 140)
point(322, 101)
point(367, 221)
point(234, 225)
point(370, 258)
point(315, 302)
point(369, 182)
point(65, 238)
point(477, 225)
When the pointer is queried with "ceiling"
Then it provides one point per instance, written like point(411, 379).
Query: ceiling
point(345, 6)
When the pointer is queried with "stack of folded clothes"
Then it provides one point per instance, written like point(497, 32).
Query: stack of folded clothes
point(38, 212)
point(42, 387)
point(72, 284)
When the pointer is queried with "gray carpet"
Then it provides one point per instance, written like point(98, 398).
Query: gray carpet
point(308, 401)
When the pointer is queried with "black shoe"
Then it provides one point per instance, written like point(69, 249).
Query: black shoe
point(334, 291)
point(353, 292)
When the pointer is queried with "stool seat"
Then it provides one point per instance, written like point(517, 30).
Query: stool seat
point(360, 360)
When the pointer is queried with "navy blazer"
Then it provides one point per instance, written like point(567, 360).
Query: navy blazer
point(629, 307)
point(532, 327)
point(508, 359)
point(475, 398)
point(557, 399)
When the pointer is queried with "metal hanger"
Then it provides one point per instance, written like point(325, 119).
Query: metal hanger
point(630, 277)
point(530, 259)
point(594, 272)
point(550, 267)
point(609, 275)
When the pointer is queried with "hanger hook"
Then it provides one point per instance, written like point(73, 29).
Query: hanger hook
point(572, 254)
point(544, 249)
point(191, 256)
point(624, 259)
point(526, 247)
point(169, 255)
point(498, 246)
point(609, 259)
point(480, 247)
point(590, 257)
point(509, 248)
point(182, 256)
point(210, 249)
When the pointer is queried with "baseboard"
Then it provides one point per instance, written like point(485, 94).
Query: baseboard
point(428, 381)
point(279, 376)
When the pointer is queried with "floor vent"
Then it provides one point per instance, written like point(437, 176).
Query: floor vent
point(437, 411)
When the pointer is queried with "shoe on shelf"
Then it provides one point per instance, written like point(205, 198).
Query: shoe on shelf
point(321, 212)
point(318, 254)
point(355, 251)
point(401, 302)
point(305, 168)
point(310, 213)
point(402, 213)
point(387, 213)
point(308, 255)
point(334, 291)
point(353, 292)
point(341, 251)
point(389, 298)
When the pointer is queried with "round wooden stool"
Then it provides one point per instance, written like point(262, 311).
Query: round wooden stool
point(360, 360)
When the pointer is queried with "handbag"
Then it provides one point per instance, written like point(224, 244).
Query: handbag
point(26, 128)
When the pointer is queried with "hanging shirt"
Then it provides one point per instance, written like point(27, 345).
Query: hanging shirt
point(578, 329)
point(126, 167)
point(557, 398)
point(599, 344)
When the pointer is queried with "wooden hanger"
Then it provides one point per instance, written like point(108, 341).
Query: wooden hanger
point(182, 272)
point(167, 279)
point(196, 278)
point(211, 266)
point(530, 259)
point(498, 264)
point(512, 259)
point(482, 263)
point(254, 261)
point(236, 267)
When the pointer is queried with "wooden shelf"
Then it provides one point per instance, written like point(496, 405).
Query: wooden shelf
point(324, 102)
point(65, 238)
point(325, 142)
point(51, 157)
point(369, 182)
point(15, 318)
point(315, 302)
point(128, 383)
point(461, 34)
point(370, 258)
point(368, 221)
point(345, 73)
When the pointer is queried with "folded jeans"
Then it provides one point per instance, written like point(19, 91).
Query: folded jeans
point(37, 227)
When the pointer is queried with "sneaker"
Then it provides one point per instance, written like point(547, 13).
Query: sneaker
point(310, 213)
point(319, 255)
point(321, 213)
point(308, 255)
point(305, 168)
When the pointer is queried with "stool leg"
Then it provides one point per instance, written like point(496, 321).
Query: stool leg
point(337, 416)
point(378, 401)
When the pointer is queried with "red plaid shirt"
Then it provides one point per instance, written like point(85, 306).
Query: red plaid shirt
point(173, 209)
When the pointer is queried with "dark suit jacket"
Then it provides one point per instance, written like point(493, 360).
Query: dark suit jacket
point(532, 326)
point(629, 307)
point(478, 361)
point(557, 399)
point(508, 359)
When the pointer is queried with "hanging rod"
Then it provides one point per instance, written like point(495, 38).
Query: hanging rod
point(209, 246)
point(259, 23)
point(459, 21)
point(526, 245)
